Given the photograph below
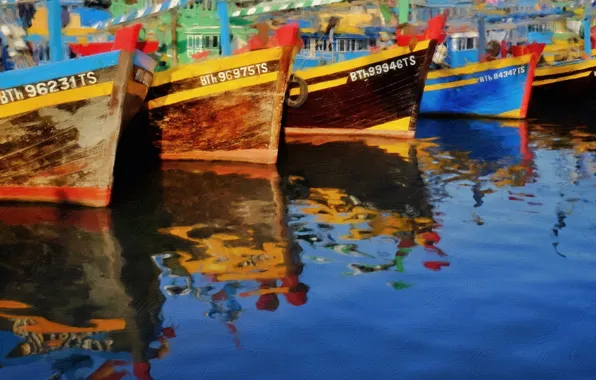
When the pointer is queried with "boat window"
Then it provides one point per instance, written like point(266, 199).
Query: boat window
point(207, 43)
point(360, 45)
point(539, 28)
point(215, 41)
point(353, 45)
point(342, 45)
point(194, 43)
point(470, 43)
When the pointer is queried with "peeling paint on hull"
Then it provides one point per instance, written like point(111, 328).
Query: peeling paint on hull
point(196, 117)
point(62, 149)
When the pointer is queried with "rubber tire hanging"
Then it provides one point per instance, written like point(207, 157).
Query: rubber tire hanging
point(296, 81)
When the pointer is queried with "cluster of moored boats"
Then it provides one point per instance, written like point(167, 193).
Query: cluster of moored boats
point(220, 82)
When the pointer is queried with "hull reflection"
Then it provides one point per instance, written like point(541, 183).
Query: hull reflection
point(66, 300)
point(363, 199)
point(229, 223)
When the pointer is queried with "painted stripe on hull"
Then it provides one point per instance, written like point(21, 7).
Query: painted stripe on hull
point(561, 79)
point(194, 70)
point(347, 101)
point(396, 128)
point(88, 196)
point(545, 72)
point(256, 156)
point(195, 93)
point(353, 64)
point(55, 99)
point(56, 70)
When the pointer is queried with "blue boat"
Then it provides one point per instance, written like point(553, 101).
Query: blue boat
point(499, 88)
point(61, 121)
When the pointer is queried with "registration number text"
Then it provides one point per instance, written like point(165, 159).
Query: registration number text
point(33, 90)
point(383, 68)
point(237, 73)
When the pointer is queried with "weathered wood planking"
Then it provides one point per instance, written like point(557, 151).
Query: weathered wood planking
point(222, 109)
point(60, 124)
point(374, 95)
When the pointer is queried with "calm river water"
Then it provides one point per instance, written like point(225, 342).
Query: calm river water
point(466, 254)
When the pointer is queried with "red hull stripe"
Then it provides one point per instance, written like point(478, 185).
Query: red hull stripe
point(88, 196)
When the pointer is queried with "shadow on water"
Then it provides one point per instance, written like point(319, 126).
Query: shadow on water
point(228, 249)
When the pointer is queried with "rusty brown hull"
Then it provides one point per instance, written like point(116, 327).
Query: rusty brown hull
point(376, 95)
point(226, 109)
point(62, 148)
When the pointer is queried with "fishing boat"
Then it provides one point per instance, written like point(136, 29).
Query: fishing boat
point(472, 75)
point(222, 108)
point(82, 310)
point(570, 81)
point(353, 86)
point(60, 122)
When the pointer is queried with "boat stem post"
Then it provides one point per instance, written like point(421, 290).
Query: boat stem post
point(224, 27)
point(481, 39)
point(55, 30)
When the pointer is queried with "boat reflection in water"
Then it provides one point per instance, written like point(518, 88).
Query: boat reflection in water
point(364, 198)
point(69, 298)
point(482, 154)
point(232, 218)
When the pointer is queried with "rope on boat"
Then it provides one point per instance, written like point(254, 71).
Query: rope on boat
point(18, 50)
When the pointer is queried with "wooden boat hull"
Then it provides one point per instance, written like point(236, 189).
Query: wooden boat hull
point(222, 109)
point(570, 82)
point(499, 89)
point(60, 124)
point(376, 95)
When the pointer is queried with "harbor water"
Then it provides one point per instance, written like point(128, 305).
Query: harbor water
point(467, 253)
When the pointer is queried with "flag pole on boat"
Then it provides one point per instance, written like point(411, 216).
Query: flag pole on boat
point(55, 30)
point(224, 28)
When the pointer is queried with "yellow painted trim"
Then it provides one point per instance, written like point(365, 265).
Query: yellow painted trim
point(321, 86)
point(562, 79)
point(476, 67)
point(62, 97)
point(402, 124)
point(458, 83)
point(355, 63)
point(513, 114)
point(218, 64)
point(199, 92)
point(553, 70)
point(75, 31)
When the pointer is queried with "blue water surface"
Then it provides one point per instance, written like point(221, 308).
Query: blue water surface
point(466, 254)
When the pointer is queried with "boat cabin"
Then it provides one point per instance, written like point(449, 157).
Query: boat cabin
point(462, 48)
point(318, 49)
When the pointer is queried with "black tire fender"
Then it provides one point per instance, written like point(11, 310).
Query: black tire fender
point(298, 101)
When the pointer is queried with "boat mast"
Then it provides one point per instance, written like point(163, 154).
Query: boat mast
point(587, 21)
point(224, 28)
point(55, 30)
